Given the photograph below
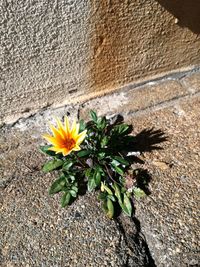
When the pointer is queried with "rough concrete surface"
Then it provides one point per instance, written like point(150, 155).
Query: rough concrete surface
point(35, 231)
point(170, 217)
point(54, 52)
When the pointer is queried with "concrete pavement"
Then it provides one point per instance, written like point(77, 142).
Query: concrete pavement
point(35, 231)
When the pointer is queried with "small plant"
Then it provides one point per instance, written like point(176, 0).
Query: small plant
point(94, 154)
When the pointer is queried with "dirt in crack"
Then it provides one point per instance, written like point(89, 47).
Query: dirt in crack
point(138, 253)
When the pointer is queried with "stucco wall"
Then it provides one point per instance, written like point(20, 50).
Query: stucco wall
point(55, 52)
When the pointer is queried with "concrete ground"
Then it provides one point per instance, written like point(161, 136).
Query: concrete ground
point(35, 231)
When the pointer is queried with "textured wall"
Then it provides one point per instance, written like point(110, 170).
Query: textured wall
point(44, 54)
point(54, 52)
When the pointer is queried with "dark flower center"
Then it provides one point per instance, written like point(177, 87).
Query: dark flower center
point(69, 144)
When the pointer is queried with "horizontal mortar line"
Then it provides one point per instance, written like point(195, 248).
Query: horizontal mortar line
point(161, 105)
point(177, 76)
point(138, 85)
point(141, 111)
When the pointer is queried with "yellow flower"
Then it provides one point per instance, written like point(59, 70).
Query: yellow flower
point(64, 139)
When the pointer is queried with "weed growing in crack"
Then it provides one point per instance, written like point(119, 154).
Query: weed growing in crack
point(96, 155)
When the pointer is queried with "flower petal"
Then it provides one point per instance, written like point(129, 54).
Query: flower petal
point(77, 148)
point(59, 123)
point(51, 139)
point(57, 134)
point(77, 128)
point(61, 128)
point(73, 128)
point(66, 152)
point(67, 129)
point(81, 137)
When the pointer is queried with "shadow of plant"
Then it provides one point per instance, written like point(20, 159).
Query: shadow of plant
point(148, 139)
point(145, 141)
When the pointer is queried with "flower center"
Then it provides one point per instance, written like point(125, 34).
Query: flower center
point(69, 144)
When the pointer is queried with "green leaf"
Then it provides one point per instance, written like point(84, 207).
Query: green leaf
point(104, 206)
point(122, 128)
point(57, 186)
point(104, 141)
point(138, 193)
point(82, 125)
point(111, 197)
point(118, 169)
point(121, 160)
point(52, 165)
point(117, 193)
point(71, 177)
point(106, 188)
point(88, 172)
point(65, 199)
point(110, 206)
point(128, 205)
point(45, 150)
point(103, 196)
point(101, 123)
point(83, 153)
point(99, 168)
point(91, 183)
point(66, 166)
point(73, 193)
point(93, 115)
point(75, 188)
point(115, 162)
point(101, 155)
point(97, 178)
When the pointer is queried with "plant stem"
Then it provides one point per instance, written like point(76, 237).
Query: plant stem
point(79, 160)
point(108, 172)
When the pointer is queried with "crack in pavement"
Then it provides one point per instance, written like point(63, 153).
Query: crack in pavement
point(135, 242)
